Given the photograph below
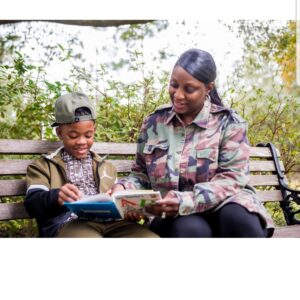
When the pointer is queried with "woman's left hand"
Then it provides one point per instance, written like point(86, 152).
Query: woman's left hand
point(168, 207)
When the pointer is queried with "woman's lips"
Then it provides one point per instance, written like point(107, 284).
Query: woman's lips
point(179, 105)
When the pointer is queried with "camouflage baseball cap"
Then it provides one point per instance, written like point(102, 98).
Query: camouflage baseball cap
point(66, 105)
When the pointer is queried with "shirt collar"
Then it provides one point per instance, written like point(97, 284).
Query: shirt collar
point(202, 118)
point(68, 157)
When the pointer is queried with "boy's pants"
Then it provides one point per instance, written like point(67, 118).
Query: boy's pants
point(114, 229)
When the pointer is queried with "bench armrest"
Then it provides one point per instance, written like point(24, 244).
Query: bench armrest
point(289, 195)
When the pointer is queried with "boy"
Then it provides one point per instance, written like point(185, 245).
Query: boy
point(71, 172)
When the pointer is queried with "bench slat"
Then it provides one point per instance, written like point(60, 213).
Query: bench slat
point(17, 187)
point(27, 146)
point(19, 166)
point(260, 152)
point(264, 180)
point(264, 166)
point(12, 187)
point(269, 196)
point(122, 166)
point(11, 211)
point(291, 231)
point(11, 146)
point(115, 148)
point(14, 166)
point(39, 147)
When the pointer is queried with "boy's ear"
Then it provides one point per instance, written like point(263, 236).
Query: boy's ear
point(58, 132)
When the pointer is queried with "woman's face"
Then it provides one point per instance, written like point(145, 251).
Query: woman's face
point(187, 94)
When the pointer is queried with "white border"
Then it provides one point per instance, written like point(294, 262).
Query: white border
point(141, 9)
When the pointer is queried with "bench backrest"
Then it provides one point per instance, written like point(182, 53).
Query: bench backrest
point(15, 160)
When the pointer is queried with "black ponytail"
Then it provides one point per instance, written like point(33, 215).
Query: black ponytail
point(201, 65)
point(215, 98)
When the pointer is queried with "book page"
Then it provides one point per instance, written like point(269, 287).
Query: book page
point(135, 192)
point(136, 200)
point(102, 197)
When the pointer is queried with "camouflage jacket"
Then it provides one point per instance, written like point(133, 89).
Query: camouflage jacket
point(206, 162)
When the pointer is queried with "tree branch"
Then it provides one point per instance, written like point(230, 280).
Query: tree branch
point(94, 23)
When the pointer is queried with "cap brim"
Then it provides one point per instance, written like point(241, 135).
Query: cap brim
point(55, 124)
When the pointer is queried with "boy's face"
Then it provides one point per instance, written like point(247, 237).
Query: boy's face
point(77, 138)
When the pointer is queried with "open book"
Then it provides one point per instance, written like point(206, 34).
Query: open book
point(102, 207)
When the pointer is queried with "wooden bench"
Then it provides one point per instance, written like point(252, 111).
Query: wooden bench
point(267, 175)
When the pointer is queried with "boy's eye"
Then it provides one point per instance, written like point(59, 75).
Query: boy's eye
point(76, 136)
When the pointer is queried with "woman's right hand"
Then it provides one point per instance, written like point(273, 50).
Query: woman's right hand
point(167, 207)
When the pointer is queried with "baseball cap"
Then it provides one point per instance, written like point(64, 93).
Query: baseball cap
point(66, 105)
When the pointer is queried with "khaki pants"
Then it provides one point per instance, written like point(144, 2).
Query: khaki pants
point(121, 228)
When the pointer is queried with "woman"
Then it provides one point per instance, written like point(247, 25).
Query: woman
point(196, 153)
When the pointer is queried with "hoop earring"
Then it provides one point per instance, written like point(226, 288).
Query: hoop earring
point(207, 97)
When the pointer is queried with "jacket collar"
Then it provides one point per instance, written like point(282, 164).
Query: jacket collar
point(203, 116)
point(57, 157)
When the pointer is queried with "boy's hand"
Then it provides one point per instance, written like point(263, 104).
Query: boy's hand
point(115, 188)
point(68, 193)
point(135, 216)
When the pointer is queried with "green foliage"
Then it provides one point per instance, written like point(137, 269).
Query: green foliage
point(263, 90)
point(269, 41)
point(26, 100)
point(259, 88)
point(276, 213)
point(7, 45)
point(18, 228)
point(120, 116)
point(272, 117)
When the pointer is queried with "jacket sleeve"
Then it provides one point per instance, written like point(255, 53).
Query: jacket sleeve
point(231, 175)
point(41, 201)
